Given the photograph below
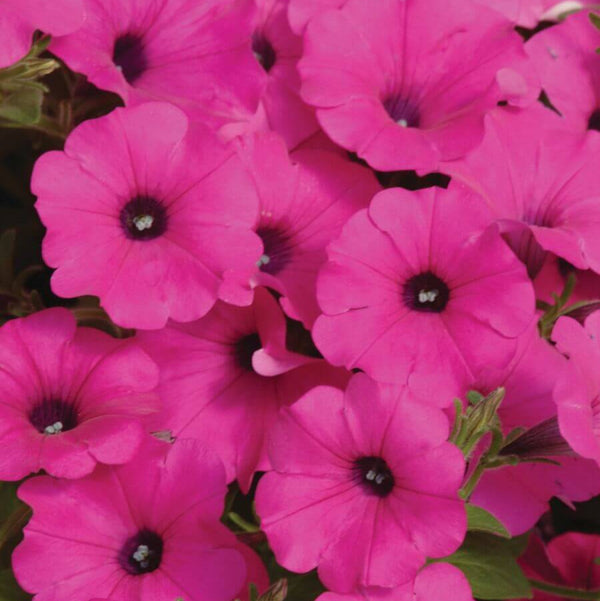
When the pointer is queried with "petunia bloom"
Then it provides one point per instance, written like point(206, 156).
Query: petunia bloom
point(420, 287)
point(519, 494)
point(364, 486)
point(157, 227)
point(406, 83)
point(565, 58)
point(19, 20)
point(577, 392)
point(224, 378)
point(70, 397)
point(145, 531)
point(193, 54)
point(278, 50)
point(304, 200)
point(568, 560)
point(540, 181)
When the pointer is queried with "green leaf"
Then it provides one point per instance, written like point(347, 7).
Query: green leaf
point(518, 544)
point(482, 521)
point(21, 104)
point(491, 568)
point(595, 19)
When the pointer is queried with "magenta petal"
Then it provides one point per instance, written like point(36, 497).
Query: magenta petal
point(287, 503)
point(269, 365)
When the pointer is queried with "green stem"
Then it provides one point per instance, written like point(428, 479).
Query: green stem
point(239, 521)
point(467, 490)
point(564, 591)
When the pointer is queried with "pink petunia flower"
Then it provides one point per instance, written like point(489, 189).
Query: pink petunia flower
point(157, 227)
point(569, 560)
point(439, 581)
point(577, 392)
point(419, 287)
point(224, 378)
point(148, 530)
point(19, 19)
point(69, 397)
point(540, 182)
point(193, 54)
point(364, 486)
point(278, 50)
point(568, 68)
point(303, 204)
point(406, 83)
point(519, 494)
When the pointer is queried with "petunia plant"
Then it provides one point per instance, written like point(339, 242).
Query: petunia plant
point(298, 300)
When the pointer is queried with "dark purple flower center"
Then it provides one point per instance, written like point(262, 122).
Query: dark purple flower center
point(594, 120)
point(277, 250)
point(426, 292)
point(374, 475)
point(142, 553)
point(143, 218)
point(402, 110)
point(53, 416)
point(130, 56)
point(564, 267)
point(263, 51)
point(244, 349)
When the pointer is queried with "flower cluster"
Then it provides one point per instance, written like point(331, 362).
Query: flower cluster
point(316, 232)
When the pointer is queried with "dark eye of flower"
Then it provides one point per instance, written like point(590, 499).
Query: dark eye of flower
point(403, 111)
point(53, 416)
point(277, 250)
point(263, 51)
point(594, 120)
point(142, 553)
point(564, 267)
point(426, 292)
point(244, 349)
point(143, 218)
point(129, 54)
point(374, 475)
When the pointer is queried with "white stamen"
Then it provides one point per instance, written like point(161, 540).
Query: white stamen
point(263, 261)
point(371, 475)
point(143, 222)
point(142, 554)
point(428, 296)
point(55, 428)
point(379, 479)
point(402, 122)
